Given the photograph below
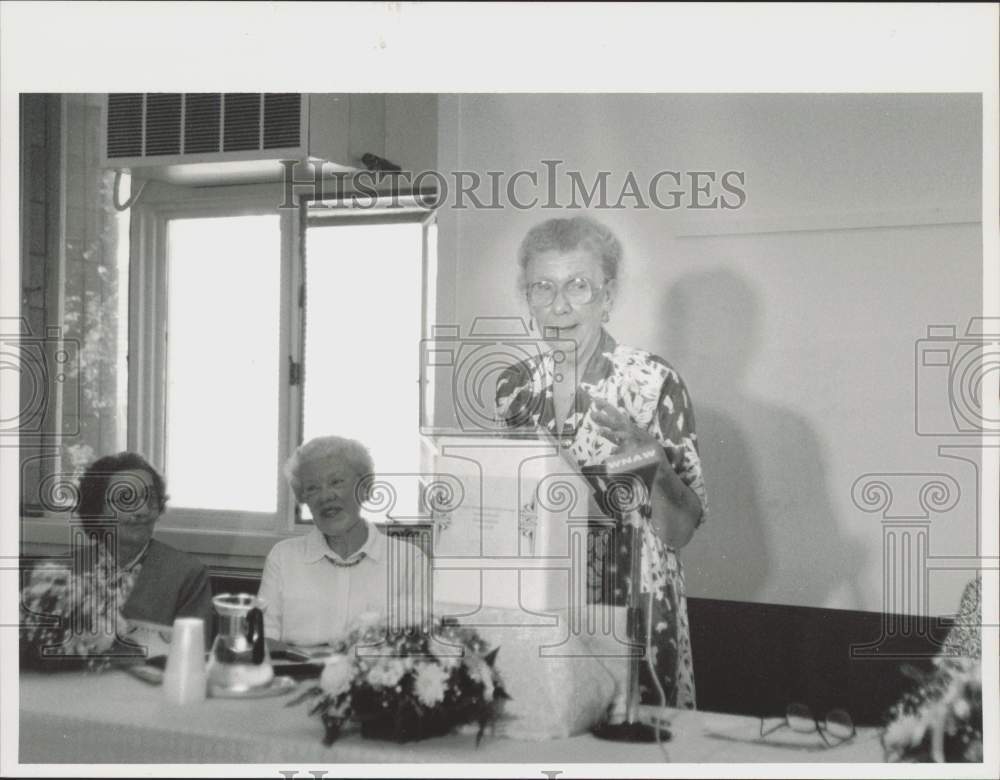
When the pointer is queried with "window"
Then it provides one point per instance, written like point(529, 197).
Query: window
point(207, 329)
point(223, 274)
point(256, 330)
point(362, 332)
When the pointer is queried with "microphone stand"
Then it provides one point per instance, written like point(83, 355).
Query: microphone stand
point(640, 468)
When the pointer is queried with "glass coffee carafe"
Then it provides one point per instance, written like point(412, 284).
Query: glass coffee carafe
point(240, 661)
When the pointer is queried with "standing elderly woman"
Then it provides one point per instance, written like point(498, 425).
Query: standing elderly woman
point(602, 398)
point(314, 586)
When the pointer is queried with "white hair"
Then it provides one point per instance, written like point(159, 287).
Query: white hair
point(349, 451)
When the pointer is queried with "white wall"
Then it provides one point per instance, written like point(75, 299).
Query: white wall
point(793, 319)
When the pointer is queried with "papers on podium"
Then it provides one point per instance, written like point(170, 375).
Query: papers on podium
point(513, 533)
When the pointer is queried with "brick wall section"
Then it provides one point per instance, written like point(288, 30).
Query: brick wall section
point(70, 281)
point(91, 285)
point(39, 197)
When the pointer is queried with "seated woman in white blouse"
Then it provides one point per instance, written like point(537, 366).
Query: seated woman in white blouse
point(316, 585)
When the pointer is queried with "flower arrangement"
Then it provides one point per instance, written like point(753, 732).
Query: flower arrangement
point(942, 719)
point(408, 685)
point(70, 615)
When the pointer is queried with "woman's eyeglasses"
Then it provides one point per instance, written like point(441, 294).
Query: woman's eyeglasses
point(579, 291)
point(835, 728)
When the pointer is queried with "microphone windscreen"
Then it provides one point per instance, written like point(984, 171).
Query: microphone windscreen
point(635, 461)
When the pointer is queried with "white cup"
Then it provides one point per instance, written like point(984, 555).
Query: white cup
point(185, 679)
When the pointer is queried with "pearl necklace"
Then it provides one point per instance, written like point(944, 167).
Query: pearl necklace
point(346, 564)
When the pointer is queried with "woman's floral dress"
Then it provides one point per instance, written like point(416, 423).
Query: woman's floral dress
point(653, 395)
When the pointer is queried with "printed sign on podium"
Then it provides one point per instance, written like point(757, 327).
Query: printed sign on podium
point(514, 533)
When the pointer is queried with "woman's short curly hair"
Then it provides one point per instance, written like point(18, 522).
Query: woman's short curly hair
point(349, 451)
point(97, 480)
point(566, 234)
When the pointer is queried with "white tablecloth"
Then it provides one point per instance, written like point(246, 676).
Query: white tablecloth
point(70, 717)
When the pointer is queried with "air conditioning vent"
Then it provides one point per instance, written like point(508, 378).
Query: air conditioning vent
point(124, 132)
point(282, 116)
point(241, 125)
point(163, 124)
point(160, 124)
point(202, 122)
point(210, 139)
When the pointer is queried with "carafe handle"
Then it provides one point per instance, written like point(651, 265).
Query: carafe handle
point(255, 634)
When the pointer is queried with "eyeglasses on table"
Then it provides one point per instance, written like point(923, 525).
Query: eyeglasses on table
point(835, 728)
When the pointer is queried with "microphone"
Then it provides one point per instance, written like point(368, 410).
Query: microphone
point(637, 466)
point(624, 482)
point(627, 479)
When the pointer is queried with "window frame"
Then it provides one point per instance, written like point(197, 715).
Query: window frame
point(148, 296)
point(234, 537)
point(392, 208)
point(241, 533)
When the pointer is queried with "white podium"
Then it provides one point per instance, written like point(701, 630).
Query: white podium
point(511, 524)
point(511, 527)
point(514, 532)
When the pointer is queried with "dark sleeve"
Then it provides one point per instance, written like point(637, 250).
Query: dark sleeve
point(194, 598)
point(514, 398)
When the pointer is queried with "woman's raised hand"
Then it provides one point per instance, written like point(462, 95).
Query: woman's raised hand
point(617, 427)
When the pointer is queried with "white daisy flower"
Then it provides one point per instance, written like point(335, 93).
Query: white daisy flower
point(387, 674)
point(430, 684)
point(338, 672)
point(481, 672)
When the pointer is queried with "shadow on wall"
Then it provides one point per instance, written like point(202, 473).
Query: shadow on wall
point(771, 535)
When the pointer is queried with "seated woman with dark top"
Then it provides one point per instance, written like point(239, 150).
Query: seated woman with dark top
point(156, 582)
point(126, 576)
